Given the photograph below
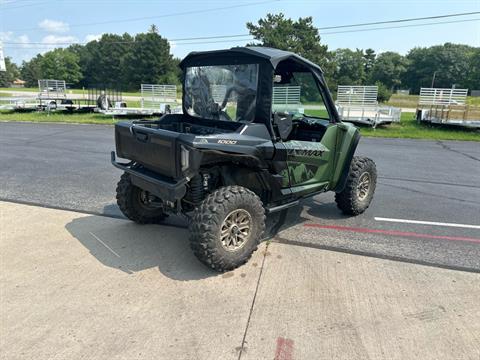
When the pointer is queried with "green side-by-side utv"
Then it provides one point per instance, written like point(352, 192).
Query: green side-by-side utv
point(258, 132)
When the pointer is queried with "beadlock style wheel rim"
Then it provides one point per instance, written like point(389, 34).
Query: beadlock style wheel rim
point(363, 187)
point(235, 230)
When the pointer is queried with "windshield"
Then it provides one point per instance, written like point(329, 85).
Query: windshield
point(222, 92)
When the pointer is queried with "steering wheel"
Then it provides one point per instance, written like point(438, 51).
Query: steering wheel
point(225, 101)
point(223, 112)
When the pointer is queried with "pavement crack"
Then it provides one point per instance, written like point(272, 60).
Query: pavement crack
point(428, 182)
point(448, 148)
point(43, 137)
point(242, 346)
point(429, 194)
point(383, 256)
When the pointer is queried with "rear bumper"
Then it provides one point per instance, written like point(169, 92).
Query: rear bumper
point(147, 180)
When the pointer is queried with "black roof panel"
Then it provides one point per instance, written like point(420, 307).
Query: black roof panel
point(274, 56)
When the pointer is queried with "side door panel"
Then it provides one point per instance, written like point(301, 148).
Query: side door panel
point(310, 164)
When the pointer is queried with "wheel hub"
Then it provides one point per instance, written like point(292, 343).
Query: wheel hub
point(235, 230)
point(147, 200)
point(363, 187)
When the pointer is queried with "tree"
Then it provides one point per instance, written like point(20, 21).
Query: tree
point(389, 69)
point(298, 36)
point(149, 61)
point(153, 29)
point(103, 61)
point(31, 71)
point(449, 62)
point(349, 67)
point(12, 73)
point(369, 57)
point(473, 75)
point(384, 93)
point(61, 64)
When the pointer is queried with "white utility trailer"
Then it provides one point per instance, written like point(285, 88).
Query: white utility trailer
point(155, 100)
point(287, 98)
point(52, 95)
point(18, 103)
point(358, 104)
point(448, 107)
point(284, 97)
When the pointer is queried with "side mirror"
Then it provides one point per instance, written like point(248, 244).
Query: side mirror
point(282, 122)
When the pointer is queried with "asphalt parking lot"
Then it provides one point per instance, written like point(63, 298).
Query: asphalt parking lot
point(68, 167)
point(79, 281)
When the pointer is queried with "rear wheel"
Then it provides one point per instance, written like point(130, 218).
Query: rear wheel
point(358, 192)
point(227, 227)
point(138, 205)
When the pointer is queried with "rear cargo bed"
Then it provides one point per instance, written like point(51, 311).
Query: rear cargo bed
point(156, 149)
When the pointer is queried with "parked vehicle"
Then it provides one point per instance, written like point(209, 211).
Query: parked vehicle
point(227, 164)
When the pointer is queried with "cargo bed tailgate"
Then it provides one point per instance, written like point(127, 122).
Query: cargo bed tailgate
point(153, 148)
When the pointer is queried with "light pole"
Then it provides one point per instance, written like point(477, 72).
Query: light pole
point(433, 79)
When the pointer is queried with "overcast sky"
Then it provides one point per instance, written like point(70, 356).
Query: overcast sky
point(52, 22)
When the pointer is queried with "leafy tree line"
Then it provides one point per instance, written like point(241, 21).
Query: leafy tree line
point(12, 73)
point(453, 64)
point(117, 61)
point(126, 61)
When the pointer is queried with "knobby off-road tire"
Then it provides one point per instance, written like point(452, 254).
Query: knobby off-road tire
point(222, 215)
point(131, 201)
point(360, 187)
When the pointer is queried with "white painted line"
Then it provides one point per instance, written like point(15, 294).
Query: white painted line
point(434, 223)
point(101, 242)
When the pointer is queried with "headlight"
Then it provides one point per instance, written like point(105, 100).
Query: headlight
point(184, 157)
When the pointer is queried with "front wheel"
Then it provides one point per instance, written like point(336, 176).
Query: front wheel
point(358, 192)
point(227, 227)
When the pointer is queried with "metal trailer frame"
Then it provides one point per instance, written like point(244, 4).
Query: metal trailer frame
point(283, 97)
point(442, 96)
point(18, 103)
point(156, 96)
point(286, 98)
point(51, 91)
point(447, 107)
point(359, 104)
point(155, 100)
point(52, 96)
point(369, 115)
point(111, 96)
point(218, 92)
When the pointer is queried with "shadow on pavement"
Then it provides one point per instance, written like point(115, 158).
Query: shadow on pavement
point(323, 210)
point(129, 247)
point(112, 210)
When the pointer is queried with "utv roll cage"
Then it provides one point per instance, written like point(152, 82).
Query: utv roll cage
point(269, 61)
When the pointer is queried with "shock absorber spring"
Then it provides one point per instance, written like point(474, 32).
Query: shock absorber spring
point(197, 192)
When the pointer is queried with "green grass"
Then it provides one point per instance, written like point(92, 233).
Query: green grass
point(72, 91)
point(56, 117)
point(134, 103)
point(411, 101)
point(19, 89)
point(403, 101)
point(407, 128)
point(471, 100)
point(81, 91)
